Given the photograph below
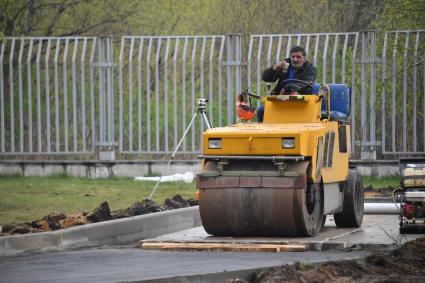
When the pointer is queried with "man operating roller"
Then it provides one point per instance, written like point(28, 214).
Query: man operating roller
point(292, 75)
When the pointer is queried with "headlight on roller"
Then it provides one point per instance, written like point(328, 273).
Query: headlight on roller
point(214, 143)
point(288, 142)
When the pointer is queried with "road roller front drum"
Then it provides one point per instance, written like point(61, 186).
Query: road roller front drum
point(260, 205)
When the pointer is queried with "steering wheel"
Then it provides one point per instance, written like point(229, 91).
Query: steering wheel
point(291, 85)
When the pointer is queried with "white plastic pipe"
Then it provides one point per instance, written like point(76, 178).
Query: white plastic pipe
point(381, 208)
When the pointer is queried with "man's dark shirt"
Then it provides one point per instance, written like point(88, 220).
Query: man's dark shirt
point(306, 73)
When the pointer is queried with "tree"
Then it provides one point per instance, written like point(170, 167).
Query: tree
point(64, 17)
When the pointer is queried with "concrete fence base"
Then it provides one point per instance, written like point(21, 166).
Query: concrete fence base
point(95, 169)
point(105, 169)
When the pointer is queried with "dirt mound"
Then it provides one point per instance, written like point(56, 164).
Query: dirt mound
point(404, 264)
point(101, 213)
point(371, 192)
point(56, 221)
point(139, 208)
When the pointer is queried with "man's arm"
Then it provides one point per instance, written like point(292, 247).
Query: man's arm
point(270, 75)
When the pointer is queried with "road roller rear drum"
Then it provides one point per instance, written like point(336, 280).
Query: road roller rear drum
point(352, 212)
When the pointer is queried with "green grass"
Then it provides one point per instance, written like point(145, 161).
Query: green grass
point(30, 198)
point(380, 183)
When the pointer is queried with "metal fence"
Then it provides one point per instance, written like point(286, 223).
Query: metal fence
point(159, 80)
point(47, 95)
point(83, 95)
point(401, 92)
point(135, 95)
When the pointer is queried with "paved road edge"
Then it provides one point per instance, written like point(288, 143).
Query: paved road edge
point(245, 274)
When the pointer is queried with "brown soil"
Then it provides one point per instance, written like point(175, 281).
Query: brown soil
point(404, 264)
point(56, 221)
point(371, 192)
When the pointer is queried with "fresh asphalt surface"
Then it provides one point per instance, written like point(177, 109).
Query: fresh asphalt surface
point(134, 264)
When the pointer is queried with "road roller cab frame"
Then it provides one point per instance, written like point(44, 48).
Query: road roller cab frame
point(283, 176)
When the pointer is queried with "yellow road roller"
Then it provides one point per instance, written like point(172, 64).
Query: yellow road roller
point(283, 176)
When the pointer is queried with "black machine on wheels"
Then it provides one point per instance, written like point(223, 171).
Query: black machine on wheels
point(411, 195)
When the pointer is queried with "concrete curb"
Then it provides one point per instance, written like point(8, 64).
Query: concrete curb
point(114, 232)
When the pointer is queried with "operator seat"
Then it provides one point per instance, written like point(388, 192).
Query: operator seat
point(340, 102)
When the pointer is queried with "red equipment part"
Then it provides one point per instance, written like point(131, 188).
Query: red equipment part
point(408, 211)
point(243, 107)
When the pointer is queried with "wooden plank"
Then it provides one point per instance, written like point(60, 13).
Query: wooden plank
point(222, 247)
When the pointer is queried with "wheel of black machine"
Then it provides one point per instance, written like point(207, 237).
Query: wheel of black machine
point(353, 207)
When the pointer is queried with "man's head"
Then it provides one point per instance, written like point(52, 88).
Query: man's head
point(298, 55)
